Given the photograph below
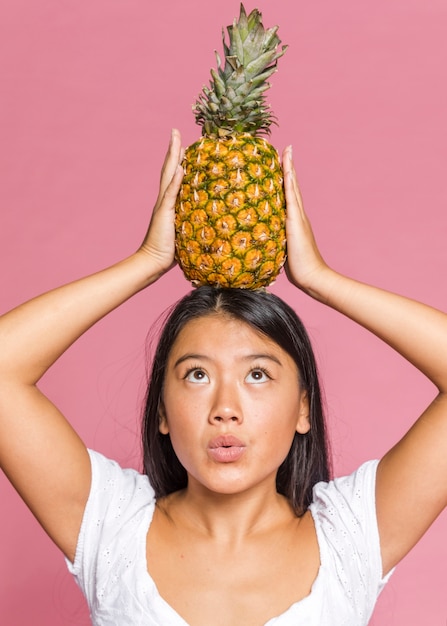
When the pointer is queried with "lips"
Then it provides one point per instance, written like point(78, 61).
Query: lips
point(226, 449)
point(225, 441)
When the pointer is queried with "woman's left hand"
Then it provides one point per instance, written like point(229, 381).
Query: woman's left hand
point(411, 486)
point(305, 266)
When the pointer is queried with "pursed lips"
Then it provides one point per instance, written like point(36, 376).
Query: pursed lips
point(226, 448)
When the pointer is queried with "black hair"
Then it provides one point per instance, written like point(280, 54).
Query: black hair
point(308, 459)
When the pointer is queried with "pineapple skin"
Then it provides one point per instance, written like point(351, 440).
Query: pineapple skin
point(230, 213)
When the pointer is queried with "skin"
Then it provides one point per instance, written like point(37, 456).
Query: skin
point(48, 464)
point(225, 378)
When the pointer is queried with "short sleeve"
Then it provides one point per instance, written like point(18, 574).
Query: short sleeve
point(119, 499)
point(344, 511)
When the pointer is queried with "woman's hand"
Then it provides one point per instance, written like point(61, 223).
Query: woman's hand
point(411, 487)
point(40, 452)
point(158, 243)
point(305, 266)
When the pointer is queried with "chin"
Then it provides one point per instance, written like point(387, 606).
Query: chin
point(227, 485)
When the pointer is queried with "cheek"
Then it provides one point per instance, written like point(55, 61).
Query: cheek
point(280, 430)
point(279, 440)
point(187, 442)
point(277, 423)
point(173, 425)
point(180, 420)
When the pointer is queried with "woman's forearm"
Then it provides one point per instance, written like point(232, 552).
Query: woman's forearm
point(35, 334)
point(417, 331)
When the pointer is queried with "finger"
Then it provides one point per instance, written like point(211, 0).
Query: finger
point(287, 159)
point(291, 187)
point(172, 159)
point(172, 189)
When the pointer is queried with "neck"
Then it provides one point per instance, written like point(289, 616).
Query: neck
point(229, 518)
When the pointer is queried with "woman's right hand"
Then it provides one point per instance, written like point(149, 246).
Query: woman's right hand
point(305, 267)
point(159, 241)
point(40, 452)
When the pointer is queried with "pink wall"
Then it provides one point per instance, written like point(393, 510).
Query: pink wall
point(90, 91)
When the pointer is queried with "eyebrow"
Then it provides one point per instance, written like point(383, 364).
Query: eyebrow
point(248, 357)
point(188, 356)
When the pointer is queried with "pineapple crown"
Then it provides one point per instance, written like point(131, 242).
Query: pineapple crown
point(235, 100)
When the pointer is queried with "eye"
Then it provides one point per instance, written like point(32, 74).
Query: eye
point(196, 375)
point(258, 375)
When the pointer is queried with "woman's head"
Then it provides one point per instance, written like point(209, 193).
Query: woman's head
point(307, 460)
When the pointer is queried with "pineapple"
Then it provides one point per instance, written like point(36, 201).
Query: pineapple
point(230, 211)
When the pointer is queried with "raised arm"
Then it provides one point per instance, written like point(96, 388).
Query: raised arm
point(39, 450)
point(412, 477)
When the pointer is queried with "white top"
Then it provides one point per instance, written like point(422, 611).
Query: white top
point(111, 569)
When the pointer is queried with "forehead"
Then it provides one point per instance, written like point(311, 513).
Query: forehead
point(219, 332)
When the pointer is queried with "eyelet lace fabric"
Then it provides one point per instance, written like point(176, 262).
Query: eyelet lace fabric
point(110, 564)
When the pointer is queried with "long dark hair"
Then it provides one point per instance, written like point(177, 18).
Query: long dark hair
point(308, 459)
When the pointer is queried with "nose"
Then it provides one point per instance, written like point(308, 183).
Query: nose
point(226, 406)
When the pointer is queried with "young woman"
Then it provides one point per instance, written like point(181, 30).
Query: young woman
point(224, 529)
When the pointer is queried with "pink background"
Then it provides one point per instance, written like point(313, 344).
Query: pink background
point(90, 91)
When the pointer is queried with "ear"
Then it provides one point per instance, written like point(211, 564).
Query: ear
point(162, 421)
point(303, 422)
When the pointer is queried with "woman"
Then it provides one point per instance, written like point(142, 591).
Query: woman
point(227, 538)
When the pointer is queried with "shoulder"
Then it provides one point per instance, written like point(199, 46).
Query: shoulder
point(344, 513)
point(347, 495)
point(344, 510)
point(116, 493)
point(121, 501)
point(109, 477)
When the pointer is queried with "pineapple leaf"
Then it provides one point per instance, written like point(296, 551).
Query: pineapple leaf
point(243, 22)
point(235, 99)
point(218, 83)
point(270, 38)
point(236, 44)
point(233, 62)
